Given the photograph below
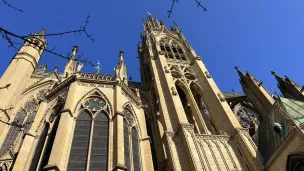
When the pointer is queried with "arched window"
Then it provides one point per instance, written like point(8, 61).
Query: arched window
point(98, 109)
point(49, 144)
point(23, 119)
point(131, 141)
point(186, 107)
point(172, 50)
point(202, 107)
point(80, 144)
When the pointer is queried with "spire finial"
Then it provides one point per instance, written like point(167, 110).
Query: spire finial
point(97, 67)
point(74, 51)
point(121, 55)
point(149, 13)
point(272, 72)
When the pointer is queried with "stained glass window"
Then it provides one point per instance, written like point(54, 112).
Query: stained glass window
point(135, 149)
point(80, 144)
point(99, 142)
point(23, 119)
point(99, 151)
point(131, 143)
point(126, 144)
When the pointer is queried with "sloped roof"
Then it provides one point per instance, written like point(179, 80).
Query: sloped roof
point(293, 108)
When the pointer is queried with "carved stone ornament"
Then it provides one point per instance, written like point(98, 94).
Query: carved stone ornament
point(161, 52)
point(167, 69)
point(174, 92)
point(198, 58)
point(207, 74)
point(221, 96)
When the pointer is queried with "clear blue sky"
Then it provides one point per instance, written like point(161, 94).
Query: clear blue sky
point(258, 36)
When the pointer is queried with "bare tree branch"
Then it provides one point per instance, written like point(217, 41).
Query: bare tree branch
point(173, 3)
point(11, 6)
point(200, 5)
point(7, 35)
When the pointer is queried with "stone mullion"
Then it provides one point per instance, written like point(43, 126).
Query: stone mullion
point(90, 144)
point(198, 115)
point(62, 144)
point(192, 147)
point(26, 152)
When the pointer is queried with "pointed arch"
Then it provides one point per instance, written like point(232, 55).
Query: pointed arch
point(97, 93)
point(129, 107)
point(182, 93)
point(49, 143)
point(198, 95)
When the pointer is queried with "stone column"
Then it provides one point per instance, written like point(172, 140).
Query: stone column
point(29, 145)
point(118, 132)
point(61, 148)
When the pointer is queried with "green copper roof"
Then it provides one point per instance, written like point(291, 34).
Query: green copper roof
point(293, 108)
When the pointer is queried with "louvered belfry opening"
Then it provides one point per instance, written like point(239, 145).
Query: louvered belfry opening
point(91, 137)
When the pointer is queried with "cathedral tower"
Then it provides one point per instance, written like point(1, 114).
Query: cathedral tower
point(189, 115)
point(19, 71)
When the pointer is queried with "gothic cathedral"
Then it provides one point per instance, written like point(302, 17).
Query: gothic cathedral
point(175, 119)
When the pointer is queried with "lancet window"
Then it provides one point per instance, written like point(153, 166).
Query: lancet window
point(202, 107)
point(46, 140)
point(21, 124)
point(91, 136)
point(131, 143)
point(172, 50)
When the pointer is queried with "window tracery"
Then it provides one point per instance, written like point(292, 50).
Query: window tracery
point(172, 49)
point(131, 143)
point(21, 124)
point(94, 112)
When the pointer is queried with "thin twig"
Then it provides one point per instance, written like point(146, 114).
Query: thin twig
point(7, 35)
point(11, 6)
point(172, 6)
point(200, 5)
point(173, 3)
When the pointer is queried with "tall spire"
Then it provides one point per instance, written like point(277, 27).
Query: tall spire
point(289, 88)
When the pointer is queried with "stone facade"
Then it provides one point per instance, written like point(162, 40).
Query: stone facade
point(175, 119)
